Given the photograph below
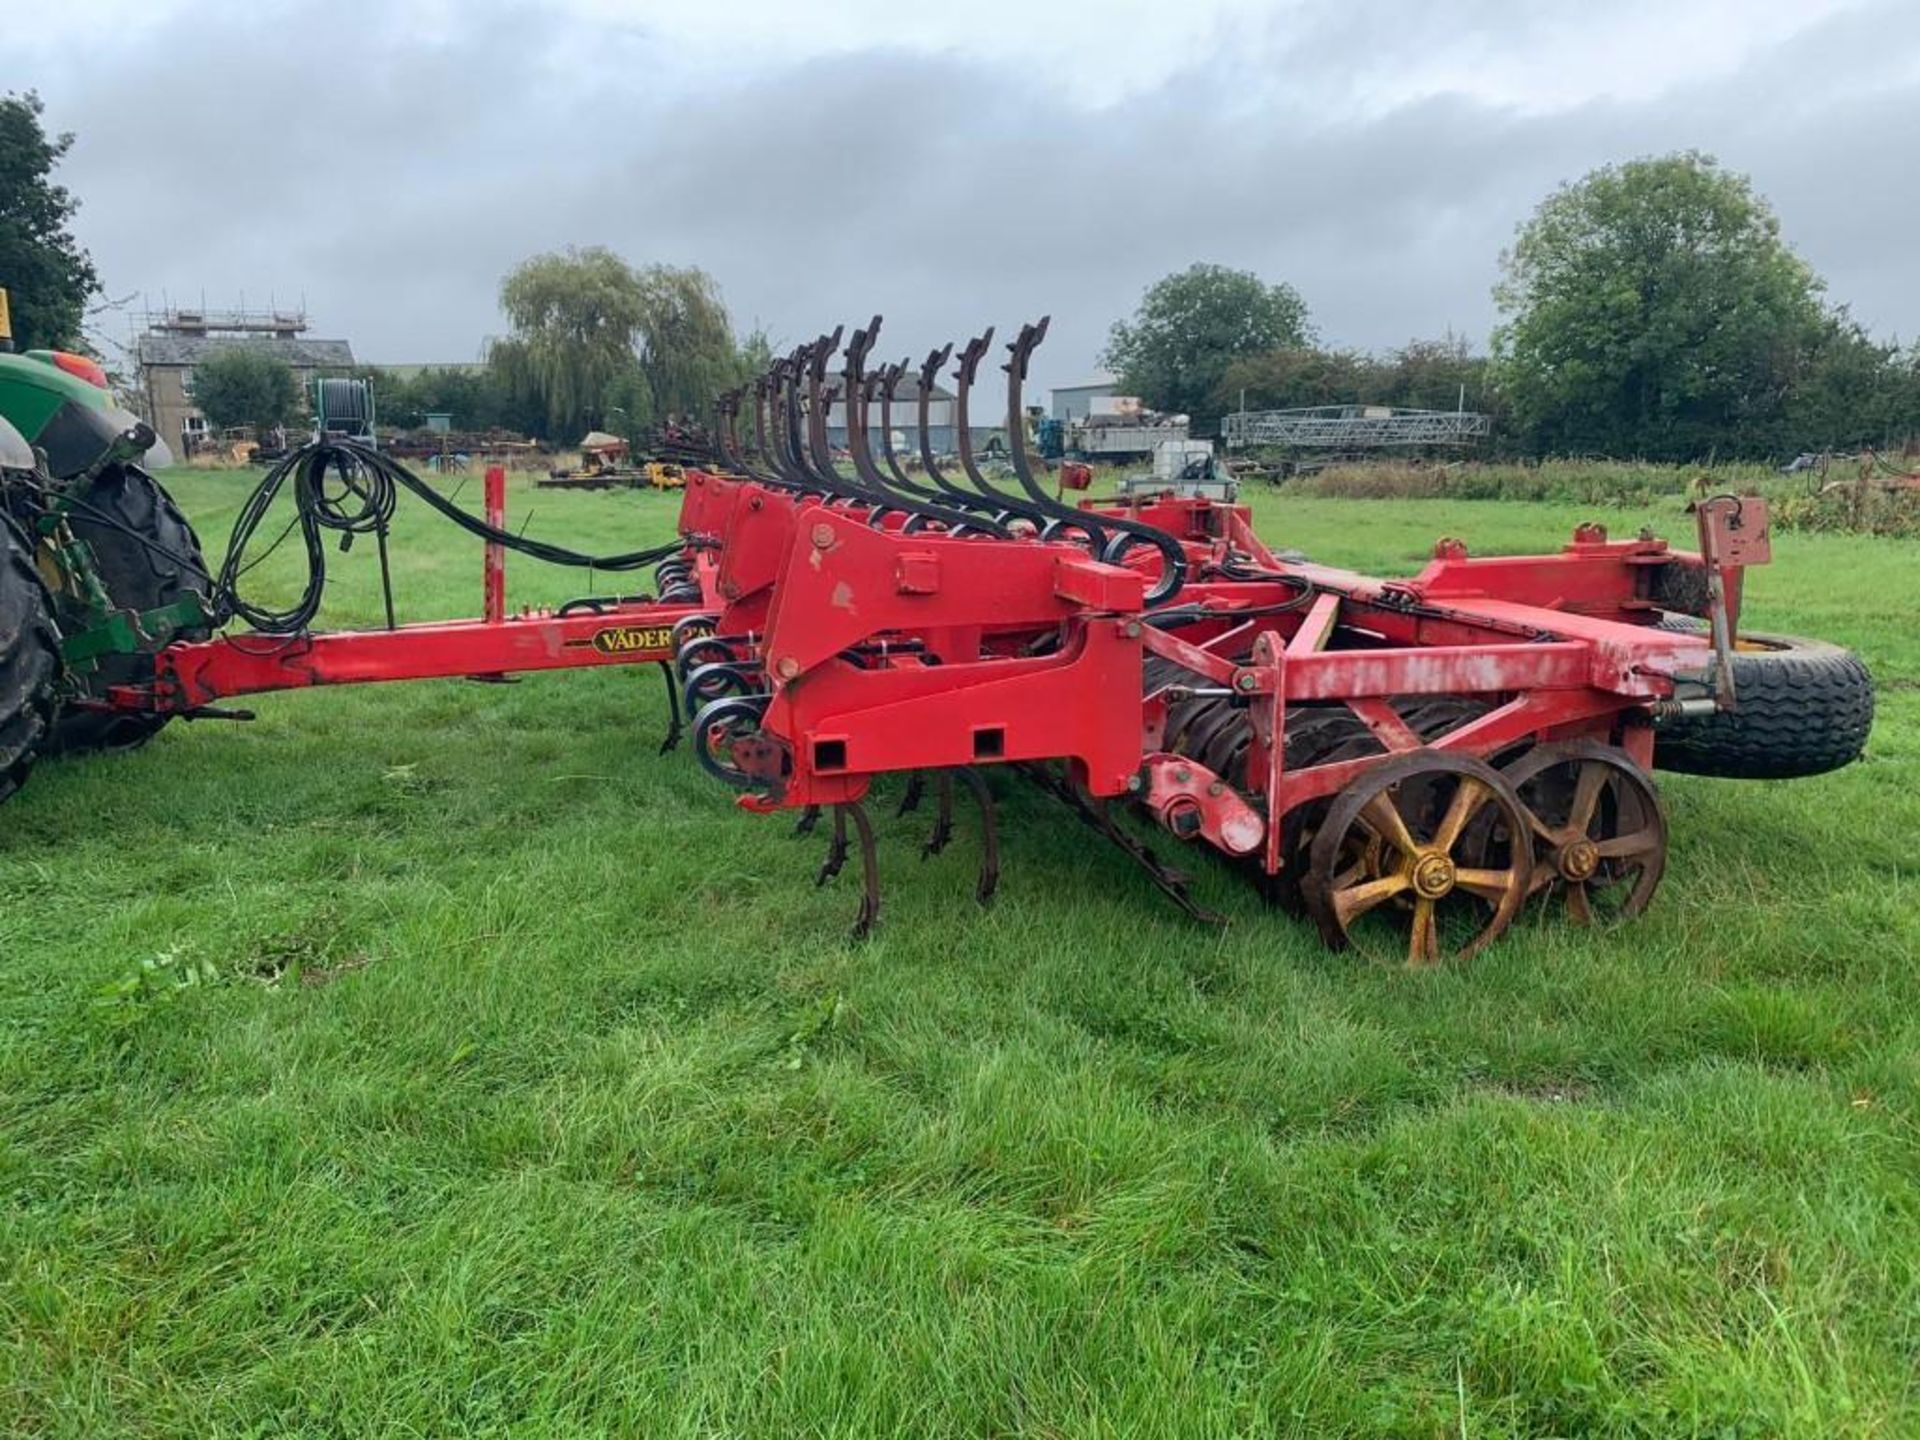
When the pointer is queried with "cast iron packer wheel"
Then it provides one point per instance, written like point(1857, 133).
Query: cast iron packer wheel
point(1403, 848)
point(137, 578)
point(1804, 708)
point(29, 659)
point(1599, 834)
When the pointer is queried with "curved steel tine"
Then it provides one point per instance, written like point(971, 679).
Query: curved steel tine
point(809, 818)
point(717, 432)
point(1037, 502)
point(965, 368)
point(869, 870)
point(674, 726)
point(855, 388)
point(1173, 572)
point(777, 437)
point(819, 397)
point(989, 834)
point(860, 444)
point(767, 415)
point(836, 849)
point(943, 817)
point(1020, 352)
point(889, 383)
point(795, 432)
point(910, 799)
point(761, 449)
point(728, 434)
point(730, 446)
point(929, 372)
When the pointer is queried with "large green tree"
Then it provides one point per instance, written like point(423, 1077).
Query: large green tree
point(1653, 309)
point(1191, 326)
point(49, 278)
point(244, 385)
point(597, 342)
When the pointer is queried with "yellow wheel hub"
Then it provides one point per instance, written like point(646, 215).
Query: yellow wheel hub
point(1432, 874)
point(1578, 860)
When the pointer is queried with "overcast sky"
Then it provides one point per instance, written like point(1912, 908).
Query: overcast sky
point(951, 166)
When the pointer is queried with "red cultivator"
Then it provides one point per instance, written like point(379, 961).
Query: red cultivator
point(1434, 751)
point(1409, 761)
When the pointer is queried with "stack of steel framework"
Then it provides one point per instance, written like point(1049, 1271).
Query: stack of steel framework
point(1352, 427)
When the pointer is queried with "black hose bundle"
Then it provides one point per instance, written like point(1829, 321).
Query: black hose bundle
point(350, 489)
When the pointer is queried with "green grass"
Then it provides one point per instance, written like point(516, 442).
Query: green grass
point(525, 1086)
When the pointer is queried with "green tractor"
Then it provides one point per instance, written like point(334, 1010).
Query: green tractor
point(98, 567)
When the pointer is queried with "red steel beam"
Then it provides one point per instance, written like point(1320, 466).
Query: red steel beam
point(203, 674)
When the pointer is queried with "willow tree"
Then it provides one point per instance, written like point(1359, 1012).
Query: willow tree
point(599, 343)
point(687, 349)
point(576, 317)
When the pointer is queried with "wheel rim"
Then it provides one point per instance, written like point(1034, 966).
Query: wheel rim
point(1405, 848)
point(1599, 832)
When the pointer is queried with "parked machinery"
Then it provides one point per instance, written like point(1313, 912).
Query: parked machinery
point(1410, 762)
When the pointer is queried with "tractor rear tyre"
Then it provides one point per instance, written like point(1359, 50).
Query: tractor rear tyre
point(29, 660)
point(1803, 707)
point(147, 556)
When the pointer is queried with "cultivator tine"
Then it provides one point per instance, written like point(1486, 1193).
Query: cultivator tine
point(674, 726)
point(887, 384)
point(869, 868)
point(942, 834)
point(1020, 351)
point(923, 506)
point(820, 393)
point(808, 822)
point(989, 834)
point(733, 450)
point(836, 848)
point(965, 367)
point(760, 450)
point(857, 390)
point(1171, 882)
point(911, 796)
point(793, 451)
point(1041, 510)
point(1130, 532)
point(930, 372)
point(718, 448)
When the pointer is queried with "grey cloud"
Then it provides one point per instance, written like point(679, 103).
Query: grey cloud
point(395, 188)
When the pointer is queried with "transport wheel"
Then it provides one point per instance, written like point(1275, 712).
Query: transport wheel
point(147, 556)
point(29, 660)
point(1599, 832)
point(1804, 707)
point(1401, 863)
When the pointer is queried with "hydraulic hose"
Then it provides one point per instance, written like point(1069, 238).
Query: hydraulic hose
point(348, 489)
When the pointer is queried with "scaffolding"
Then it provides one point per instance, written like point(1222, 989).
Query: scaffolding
point(1352, 428)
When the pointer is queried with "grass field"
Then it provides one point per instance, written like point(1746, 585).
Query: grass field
point(523, 1086)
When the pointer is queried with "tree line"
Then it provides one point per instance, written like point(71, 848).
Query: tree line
point(594, 344)
point(1649, 310)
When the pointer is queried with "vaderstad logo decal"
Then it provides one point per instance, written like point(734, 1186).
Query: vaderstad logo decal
point(631, 639)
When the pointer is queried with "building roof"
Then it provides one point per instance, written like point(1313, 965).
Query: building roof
point(155, 349)
point(1102, 381)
